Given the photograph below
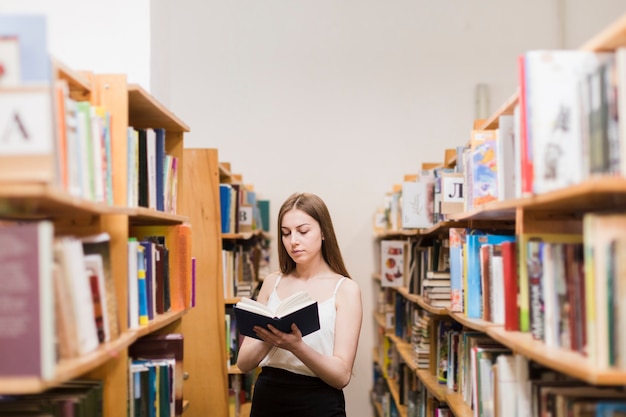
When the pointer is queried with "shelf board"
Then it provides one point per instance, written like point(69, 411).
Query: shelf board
point(146, 112)
point(142, 216)
point(40, 201)
point(459, 407)
point(505, 109)
point(245, 235)
point(159, 322)
point(389, 234)
point(79, 86)
point(394, 389)
point(439, 391)
point(567, 362)
point(419, 300)
point(475, 324)
point(68, 369)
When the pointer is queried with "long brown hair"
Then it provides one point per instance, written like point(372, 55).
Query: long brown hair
point(315, 207)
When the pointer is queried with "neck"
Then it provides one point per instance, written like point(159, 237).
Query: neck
point(308, 272)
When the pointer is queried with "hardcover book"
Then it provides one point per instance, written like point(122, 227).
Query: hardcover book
point(298, 308)
point(394, 263)
point(28, 341)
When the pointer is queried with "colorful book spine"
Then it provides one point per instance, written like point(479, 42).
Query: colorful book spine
point(142, 289)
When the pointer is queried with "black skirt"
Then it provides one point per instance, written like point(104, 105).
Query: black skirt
point(280, 393)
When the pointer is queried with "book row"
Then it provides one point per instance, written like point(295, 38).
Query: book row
point(155, 377)
point(567, 127)
point(59, 294)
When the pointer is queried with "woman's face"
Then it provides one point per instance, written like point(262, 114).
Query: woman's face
point(301, 235)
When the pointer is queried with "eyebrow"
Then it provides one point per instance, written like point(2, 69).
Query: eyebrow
point(297, 227)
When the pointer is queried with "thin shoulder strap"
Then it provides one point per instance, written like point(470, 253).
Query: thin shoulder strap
point(277, 281)
point(337, 286)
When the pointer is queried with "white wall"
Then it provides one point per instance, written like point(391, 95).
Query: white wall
point(110, 36)
point(343, 98)
point(337, 98)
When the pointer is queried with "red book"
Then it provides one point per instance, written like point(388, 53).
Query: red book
point(509, 267)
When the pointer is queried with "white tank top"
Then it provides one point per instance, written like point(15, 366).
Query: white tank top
point(321, 341)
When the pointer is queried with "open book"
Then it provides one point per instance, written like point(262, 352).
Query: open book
point(298, 308)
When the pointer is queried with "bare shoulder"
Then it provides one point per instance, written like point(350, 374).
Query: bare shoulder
point(349, 289)
point(268, 285)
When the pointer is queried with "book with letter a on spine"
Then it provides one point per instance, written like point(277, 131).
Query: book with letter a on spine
point(298, 308)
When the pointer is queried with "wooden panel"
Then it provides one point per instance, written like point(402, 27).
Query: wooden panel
point(110, 91)
point(203, 326)
point(146, 112)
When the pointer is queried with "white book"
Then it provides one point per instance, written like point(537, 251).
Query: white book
point(505, 149)
point(133, 285)
point(417, 205)
point(553, 115)
point(506, 399)
point(72, 144)
point(68, 252)
point(97, 155)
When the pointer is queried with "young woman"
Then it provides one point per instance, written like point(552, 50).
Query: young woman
point(305, 376)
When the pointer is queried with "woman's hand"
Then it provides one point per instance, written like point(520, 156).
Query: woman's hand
point(275, 337)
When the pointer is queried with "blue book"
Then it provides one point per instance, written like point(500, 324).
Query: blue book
point(141, 286)
point(30, 30)
point(160, 169)
point(473, 288)
point(149, 259)
point(605, 408)
point(225, 204)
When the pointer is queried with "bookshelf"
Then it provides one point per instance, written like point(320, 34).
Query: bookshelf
point(559, 211)
point(44, 197)
point(254, 243)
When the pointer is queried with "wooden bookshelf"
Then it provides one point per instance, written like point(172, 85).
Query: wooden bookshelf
point(34, 199)
point(559, 211)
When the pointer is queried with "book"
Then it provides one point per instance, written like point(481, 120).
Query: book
point(28, 340)
point(100, 244)
point(506, 157)
point(298, 308)
point(599, 229)
point(510, 285)
point(484, 167)
point(394, 263)
point(553, 115)
point(69, 255)
point(474, 289)
point(416, 205)
point(523, 274)
point(166, 346)
point(457, 238)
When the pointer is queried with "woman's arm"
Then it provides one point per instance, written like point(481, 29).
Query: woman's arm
point(335, 370)
point(252, 350)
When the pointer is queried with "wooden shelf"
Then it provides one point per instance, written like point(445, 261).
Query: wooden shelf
point(567, 362)
point(246, 235)
point(475, 324)
point(146, 112)
point(69, 369)
point(419, 300)
point(141, 216)
point(42, 201)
